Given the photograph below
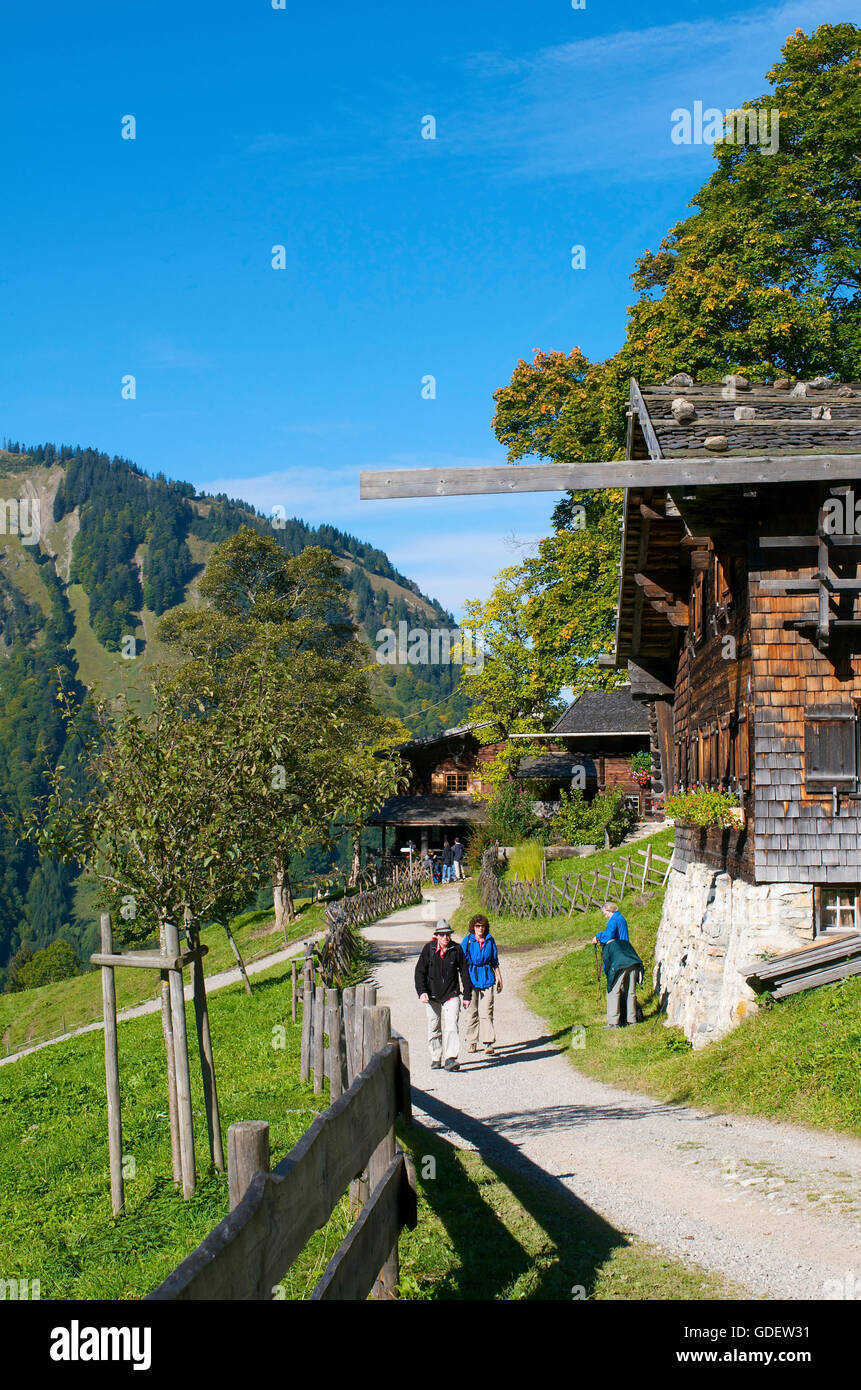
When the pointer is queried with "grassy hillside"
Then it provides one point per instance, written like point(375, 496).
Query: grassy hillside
point(795, 1060)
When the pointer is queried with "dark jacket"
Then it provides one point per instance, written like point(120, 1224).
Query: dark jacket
point(482, 958)
point(457, 851)
point(442, 977)
point(446, 855)
point(618, 956)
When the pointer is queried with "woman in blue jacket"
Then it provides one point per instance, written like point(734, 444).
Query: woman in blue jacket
point(482, 962)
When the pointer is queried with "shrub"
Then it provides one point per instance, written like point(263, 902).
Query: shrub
point(510, 817)
point(582, 822)
point(527, 861)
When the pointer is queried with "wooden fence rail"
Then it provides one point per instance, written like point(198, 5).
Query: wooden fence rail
point(402, 890)
point(249, 1252)
point(637, 872)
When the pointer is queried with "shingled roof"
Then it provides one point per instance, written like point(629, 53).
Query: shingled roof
point(604, 712)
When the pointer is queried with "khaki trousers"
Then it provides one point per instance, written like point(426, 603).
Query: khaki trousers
point(479, 1017)
point(443, 1039)
point(625, 989)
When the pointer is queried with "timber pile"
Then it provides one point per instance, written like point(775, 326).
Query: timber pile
point(636, 873)
point(829, 960)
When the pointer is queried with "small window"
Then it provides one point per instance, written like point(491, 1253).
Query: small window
point(723, 591)
point(831, 747)
point(456, 781)
point(838, 909)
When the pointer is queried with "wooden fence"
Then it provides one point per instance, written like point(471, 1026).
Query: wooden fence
point(637, 872)
point(402, 890)
point(351, 1145)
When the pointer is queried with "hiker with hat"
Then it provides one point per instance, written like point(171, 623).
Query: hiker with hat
point(441, 975)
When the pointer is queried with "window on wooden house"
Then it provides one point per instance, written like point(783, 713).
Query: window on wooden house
point(831, 747)
point(456, 781)
point(741, 750)
point(694, 761)
point(697, 613)
point(725, 769)
point(705, 760)
point(722, 589)
point(837, 909)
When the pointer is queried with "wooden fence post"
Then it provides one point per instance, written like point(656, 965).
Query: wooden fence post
point(307, 1020)
point(112, 1069)
point(336, 1044)
point(247, 1154)
point(180, 1053)
point(366, 998)
point(348, 998)
point(319, 1035)
point(204, 1045)
point(379, 1028)
point(172, 1110)
point(646, 867)
point(293, 991)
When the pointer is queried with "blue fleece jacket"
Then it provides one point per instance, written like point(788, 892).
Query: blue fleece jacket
point(615, 930)
point(482, 958)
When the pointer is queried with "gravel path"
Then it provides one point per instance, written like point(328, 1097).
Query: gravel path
point(772, 1207)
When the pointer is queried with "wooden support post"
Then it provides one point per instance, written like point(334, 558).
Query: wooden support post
point(293, 991)
point(307, 1020)
point(319, 1038)
point(336, 1044)
point(379, 1028)
point(180, 1053)
point(247, 1154)
point(238, 958)
point(207, 1060)
point(646, 867)
point(172, 1110)
point(625, 877)
point(112, 1070)
point(406, 1088)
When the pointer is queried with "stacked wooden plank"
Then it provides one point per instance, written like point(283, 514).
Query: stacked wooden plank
point(829, 959)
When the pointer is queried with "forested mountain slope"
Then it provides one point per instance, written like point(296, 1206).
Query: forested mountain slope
point(116, 550)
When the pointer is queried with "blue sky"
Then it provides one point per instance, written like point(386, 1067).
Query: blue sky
point(404, 257)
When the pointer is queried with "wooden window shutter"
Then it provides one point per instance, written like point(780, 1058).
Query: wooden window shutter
point(723, 592)
point(831, 746)
point(742, 755)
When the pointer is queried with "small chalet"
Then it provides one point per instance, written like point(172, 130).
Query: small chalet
point(592, 745)
point(739, 624)
point(445, 771)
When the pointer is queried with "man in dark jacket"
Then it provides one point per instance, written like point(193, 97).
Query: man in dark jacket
point(447, 862)
point(441, 973)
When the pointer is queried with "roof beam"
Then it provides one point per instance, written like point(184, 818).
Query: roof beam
point(378, 484)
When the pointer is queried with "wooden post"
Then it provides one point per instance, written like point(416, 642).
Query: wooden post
point(336, 1044)
point(348, 998)
point(112, 1069)
point(646, 867)
point(293, 991)
point(366, 997)
point(247, 1154)
point(625, 877)
point(406, 1089)
point(307, 1017)
point(173, 1113)
point(379, 1028)
point(180, 1053)
point(207, 1060)
point(319, 1035)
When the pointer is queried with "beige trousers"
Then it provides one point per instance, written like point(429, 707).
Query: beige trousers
point(443, 1039)
point(479, 1018)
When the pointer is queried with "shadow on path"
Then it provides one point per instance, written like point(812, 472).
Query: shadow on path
point(579, 1240)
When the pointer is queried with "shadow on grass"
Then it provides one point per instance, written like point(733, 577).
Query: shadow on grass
point(578, 1240)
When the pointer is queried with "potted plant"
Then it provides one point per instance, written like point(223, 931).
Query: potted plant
point(705, 806)
point(641, 768)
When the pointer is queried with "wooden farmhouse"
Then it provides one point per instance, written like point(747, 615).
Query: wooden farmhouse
point(591, 745)
point(445, 771)
point(739, 624)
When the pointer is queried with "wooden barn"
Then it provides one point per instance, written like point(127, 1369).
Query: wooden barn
point(739, 622)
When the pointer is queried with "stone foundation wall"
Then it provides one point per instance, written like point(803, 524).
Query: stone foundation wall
point(710, 925)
